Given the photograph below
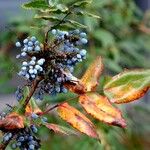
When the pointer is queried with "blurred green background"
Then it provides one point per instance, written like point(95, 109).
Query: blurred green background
point(121, 37)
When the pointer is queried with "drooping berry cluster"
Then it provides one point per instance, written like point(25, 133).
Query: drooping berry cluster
point(25, 140)
point(55, 62)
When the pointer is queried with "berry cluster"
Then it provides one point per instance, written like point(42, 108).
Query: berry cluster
point(7, 136)
point(29, 45)
point(55, 62)
point(25, 140)
point(31, 69)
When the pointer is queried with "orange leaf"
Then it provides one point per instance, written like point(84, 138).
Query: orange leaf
point(12, 121)
point(77, 119)
point(100, 108)
point(91, 77)
point(60, 129)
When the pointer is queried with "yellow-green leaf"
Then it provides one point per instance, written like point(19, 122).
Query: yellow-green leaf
point(36, 4)
point(128, 86)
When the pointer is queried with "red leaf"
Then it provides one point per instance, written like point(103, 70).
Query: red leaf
point(12, 121)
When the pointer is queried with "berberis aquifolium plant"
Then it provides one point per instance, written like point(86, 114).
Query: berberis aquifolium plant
point(48, 68)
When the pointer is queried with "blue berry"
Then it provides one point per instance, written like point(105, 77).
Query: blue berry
point(82, 34)
point(18, 44)
point(25, 41)
point(84, 41)
point(33, 38)
point(83, 52)
point(34, 116)
point(30, 43)
point(31, 147)
point(23, 54)
point(54, 31)
point(37, 48)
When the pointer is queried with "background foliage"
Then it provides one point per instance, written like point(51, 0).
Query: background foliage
point(120, 36)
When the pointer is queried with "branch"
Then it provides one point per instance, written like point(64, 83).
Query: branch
point(56, 105)
point(33, 88)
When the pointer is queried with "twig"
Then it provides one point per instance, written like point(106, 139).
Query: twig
point(55, 106)
point(33, 88)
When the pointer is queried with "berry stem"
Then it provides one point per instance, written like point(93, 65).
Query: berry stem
point(33, 88)
point(55, 106)
point(53, 27)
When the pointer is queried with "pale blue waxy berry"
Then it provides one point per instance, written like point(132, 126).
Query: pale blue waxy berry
point(14, 146)
point(18, 56)
point(44, 119)
point(40, 69)
point(33, 38)
point(31, 67)
point(31, 71)
point(25, 63)
point(57, 89)
point(32, 76)
point(83, 34)
point(33, 58)
point(78, 56)
point(76, 31)
point(84, 41)
point(9, 135)
point(18, 44)
point(25, 49)
point(64, 90)
point(35, 71)
point(37, 43)
point(37, 48)
point(5, 138)
point(54, 31)
point(24, 68)
point(32, 62)
point(27, 76)
point(30, 43)
point(41, 61)
point(83, 52)
point(37, 67)
point(23, 54)
point(34, 116)
point(25, 41)
point(31, 147)
point(30, 48)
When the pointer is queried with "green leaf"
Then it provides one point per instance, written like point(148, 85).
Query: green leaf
point(128, 86)
point(75, 23)
point(50, 18)
point(82, 3)
point(36, 4)
point(81, 12)
point(105, 37)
